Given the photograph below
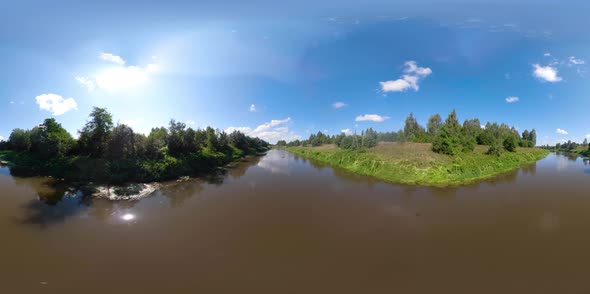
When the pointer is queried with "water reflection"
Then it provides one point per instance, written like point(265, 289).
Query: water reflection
point(276, 162)
point(42, 214)
point(4, 170)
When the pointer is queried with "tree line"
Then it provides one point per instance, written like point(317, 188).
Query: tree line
point(447, 137)
point(119, 153)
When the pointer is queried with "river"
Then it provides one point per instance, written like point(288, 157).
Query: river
point(282, 224)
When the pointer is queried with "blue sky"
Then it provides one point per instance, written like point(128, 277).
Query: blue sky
point(283, 71)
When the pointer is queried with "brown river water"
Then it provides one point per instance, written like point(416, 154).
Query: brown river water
point(281, 224)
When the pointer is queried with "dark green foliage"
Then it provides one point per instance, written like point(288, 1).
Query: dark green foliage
point(281, 143)
point(369, 138)
point(472, 128)
point(95, 135)
point(19, 140)
point(50, 139)
point(510, 143)
point(450, 140)
point(118, 155)
point(413, 132)
point(122, 143)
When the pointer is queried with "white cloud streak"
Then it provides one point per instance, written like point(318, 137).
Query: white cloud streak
point(339, 104)
point(562, 132)
point(575, 61)
point(413, 75)
point(512, 99)
point(112, 58)
point(56, 104)
point(371, 117)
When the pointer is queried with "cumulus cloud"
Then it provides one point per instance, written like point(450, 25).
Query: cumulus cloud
point(190, 122)
point(413, 75)
point(575, 61)
point(1, 139)
point(588, 136)
point(339, 104)
point(346, 132)
point(546, 73)
point(11, 102)
point(112, 58)
point(371, 117)
point(56, 104)
point(252, 108)
point(86, 82)
point(272, 131)
point(118, 76)
point(560, 131)
point(547, 54)
point(512, 99)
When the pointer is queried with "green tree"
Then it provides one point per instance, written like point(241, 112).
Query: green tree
point(95, 135)
point(281, 143)
point(434, 125)
point(122, 143)
point(176, 137)
point(412, 130)
point(510, 143)
point(449, 140)
point(157, 143)
point(532, 138)
point(472, 128)
point(212, 141)
point(50, 139)
point(19, 140)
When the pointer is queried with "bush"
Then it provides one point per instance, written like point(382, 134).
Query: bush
point(495, 149)
point(510, 143)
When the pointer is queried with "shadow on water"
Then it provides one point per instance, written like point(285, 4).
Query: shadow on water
point(57, 201)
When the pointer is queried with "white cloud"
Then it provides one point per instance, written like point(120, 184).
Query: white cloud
point(413, 74)
point(339, 104)
point(588, 136)
point(546, 73)
point(118, 77)
point(575, 61)
point(371, 117)
point(347, 131)
point(56, 104)
point(112, 58)
point(547, 54)
point(1, 138)
point(252, 108)
point(560, 131)
point(190, 122)
point(86, 82)
point(271, 131)
point(482, 126)
point(512, 99)
point(11, 102)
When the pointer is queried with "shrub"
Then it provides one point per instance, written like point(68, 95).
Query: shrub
point(510, 143)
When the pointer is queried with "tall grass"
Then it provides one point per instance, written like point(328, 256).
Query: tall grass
point(420, 166)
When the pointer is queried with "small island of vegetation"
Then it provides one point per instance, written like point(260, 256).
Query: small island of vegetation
point(115, 154)
point(445, 153)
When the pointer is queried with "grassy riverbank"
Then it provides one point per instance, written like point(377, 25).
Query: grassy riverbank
point(415, 163)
